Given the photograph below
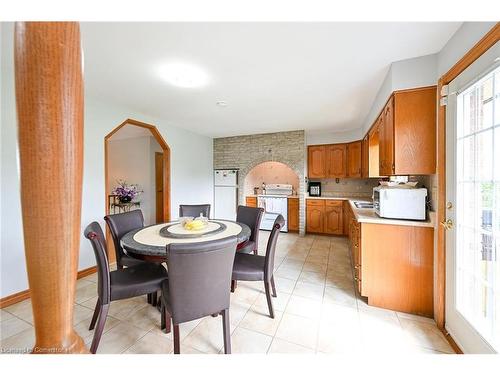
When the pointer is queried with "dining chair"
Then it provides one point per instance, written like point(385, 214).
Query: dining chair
point(194, 210)
point(250, 267)
point(119, 225)
point(252, 217)
point(133, 281)
point(198, 284)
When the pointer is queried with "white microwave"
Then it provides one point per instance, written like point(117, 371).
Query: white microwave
point(400, 203)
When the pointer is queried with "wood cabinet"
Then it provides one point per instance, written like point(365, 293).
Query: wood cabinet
point(346, 213)
point(333, 217)
point(402, 141)
point(397, 267)
point(407, 133)
point(354, 159)
point(393, 265)
point(327, 161)
point(336, 161)
point(356, 253)
point(251, 201)
point(374, 150)
point(316, 161)
point(315, 215)
point(365, 157)
point(293, 214)
point(324, 216)
point(386, 136)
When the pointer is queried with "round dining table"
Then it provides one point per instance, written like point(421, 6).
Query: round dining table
point(149, 243)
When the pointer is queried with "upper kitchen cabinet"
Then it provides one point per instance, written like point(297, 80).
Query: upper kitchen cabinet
point(336, 161)
point(365, 157)
point(386, 134)
point(327, 161)
point(316, 161)
point(354, 157)
point(407, 133)
point(374, 149)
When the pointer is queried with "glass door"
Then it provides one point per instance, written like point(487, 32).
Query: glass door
point(473, 206)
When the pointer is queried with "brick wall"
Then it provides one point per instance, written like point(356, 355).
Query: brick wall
point(245, 152)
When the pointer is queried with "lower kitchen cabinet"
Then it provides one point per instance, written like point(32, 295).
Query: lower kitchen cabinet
point(356, 254)
point(346, 214)
point(333, 217)
point(324, 216)
point(293, 214)
point(315, 215)
point(251, 201)
point(393, 266)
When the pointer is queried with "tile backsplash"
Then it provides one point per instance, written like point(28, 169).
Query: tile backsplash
point(348, 186)
point(363, 187)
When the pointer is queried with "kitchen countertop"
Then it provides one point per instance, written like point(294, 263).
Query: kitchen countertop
point(343, 198)
point(368, 215)
point(288, 196)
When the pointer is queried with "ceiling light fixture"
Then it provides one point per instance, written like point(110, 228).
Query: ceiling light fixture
point(183, 75)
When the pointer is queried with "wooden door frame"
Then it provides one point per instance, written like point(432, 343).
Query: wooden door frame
point(157, 153)
point(166, 163)
point(472, 55)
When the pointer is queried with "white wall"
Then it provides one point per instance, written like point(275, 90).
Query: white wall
point(191, 170)
point(462, 41)
point(13, 270)
point(325, 137)
point(426, 70)
point(405, 74)
point(378, 103)
point(417, 72)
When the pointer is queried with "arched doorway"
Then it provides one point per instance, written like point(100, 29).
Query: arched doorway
point(142, 146)
point(270, 172)
point(275, 176)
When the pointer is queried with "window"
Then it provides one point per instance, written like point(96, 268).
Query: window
point(478, 207)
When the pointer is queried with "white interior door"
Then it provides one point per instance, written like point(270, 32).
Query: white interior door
point(473, 206)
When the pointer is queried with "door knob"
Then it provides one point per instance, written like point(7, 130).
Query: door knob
point(447, 224)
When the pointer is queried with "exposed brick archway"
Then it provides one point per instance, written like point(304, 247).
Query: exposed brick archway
point(246, 152)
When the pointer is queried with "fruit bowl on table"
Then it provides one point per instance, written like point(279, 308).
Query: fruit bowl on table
point(195, 225)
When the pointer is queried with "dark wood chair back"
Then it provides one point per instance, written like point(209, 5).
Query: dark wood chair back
point(251, 216)
point(199, 278)
point(94, 233)
point(120, 224)
point(194, 210)
point(271, 247)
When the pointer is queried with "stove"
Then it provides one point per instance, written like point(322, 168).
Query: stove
point(274, 203)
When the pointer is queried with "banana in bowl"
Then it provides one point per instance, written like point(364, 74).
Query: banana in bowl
point(195, 225)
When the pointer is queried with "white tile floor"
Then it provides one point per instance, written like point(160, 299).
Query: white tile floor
point(316, 311)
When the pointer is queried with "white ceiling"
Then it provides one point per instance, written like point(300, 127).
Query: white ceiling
point(273, 76)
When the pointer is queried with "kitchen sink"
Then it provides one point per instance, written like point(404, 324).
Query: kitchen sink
point(363, 204)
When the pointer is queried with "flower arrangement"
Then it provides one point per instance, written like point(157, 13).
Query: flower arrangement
point(126, 192)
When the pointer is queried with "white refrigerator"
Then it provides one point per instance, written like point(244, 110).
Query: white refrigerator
point(225, 193)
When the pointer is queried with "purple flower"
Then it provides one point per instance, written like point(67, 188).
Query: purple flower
point(124, 190)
